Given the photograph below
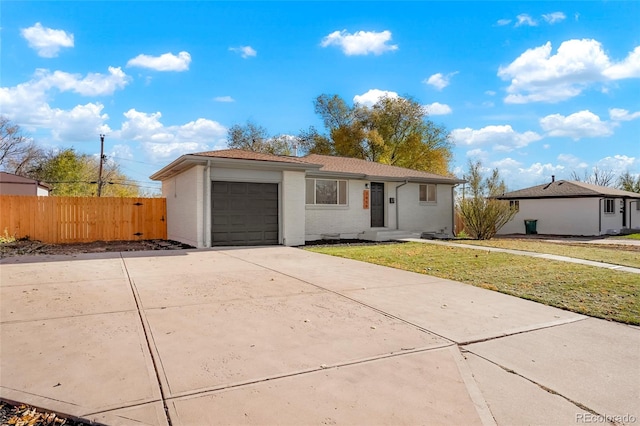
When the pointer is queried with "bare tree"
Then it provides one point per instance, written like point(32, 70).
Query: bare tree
point(252, 137)
point(15, 146)
point(482, 213)
point(597, 177)
point(627, 182)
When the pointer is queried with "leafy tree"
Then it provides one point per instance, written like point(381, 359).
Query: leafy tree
point(17, 150)
point(253, 137)
point(484, 215)
point(73, 174)
point(627, 182)
point(394, 131)
point(597, 177)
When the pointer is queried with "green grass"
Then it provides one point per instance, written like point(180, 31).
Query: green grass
point(616, 255)
point(628, 237)
point(588, 290)
point(6, 238)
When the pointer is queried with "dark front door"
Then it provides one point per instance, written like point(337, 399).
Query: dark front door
point(244, 213)
point(377, 205)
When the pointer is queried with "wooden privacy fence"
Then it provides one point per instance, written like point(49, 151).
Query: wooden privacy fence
point(459, 222)
point(83, 219)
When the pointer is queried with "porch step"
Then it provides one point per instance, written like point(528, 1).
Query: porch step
point(382, 235)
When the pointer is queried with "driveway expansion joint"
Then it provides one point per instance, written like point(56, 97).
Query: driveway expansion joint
point(147, 332)
point(524, 331)
point(540, 385)
point(401, 352)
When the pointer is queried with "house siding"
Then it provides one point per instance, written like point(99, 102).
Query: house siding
point(416, 215)
point(346, 221)
point(185, 206)
point(570, 216)
point(352, 220)
point(292, 198)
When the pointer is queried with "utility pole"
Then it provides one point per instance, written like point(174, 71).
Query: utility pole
point(101, 160)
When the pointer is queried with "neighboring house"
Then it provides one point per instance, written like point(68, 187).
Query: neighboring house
point(573, 208)
point(11, 184)
point(236, 197)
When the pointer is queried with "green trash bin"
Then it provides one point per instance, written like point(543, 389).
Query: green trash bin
point(530, 226)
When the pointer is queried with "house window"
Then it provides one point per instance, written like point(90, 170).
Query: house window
point(428, 193)
point(326, 192)
point(609, 205)
point(514, 205)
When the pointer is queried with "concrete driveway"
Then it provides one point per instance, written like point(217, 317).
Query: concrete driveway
point(279, 335)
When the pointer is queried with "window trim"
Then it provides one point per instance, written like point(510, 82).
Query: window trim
point(609, 202)
point(339, 194)
point(514, 204)
point(434, 192)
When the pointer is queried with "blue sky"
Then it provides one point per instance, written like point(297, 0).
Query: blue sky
point(532, 88)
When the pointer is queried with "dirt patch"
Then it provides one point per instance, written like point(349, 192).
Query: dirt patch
point(37, 248)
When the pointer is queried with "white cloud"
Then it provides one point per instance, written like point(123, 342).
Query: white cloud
point(628, 68)
point(524, 19)
point(94, 84)
point(437, 108)
point(244, 51)
point(477, 152)
point(81, 123)
point(162, 142)
point(122, 151)
point(538, 76)
point(440, 81)
point(554, 17)
point(503, 22)
point(501, 138)
point(582, 124)
point(28, 102)
point(373, 96)
point(538, 171)
point(360, 42)
point(505, 163)
point(618, 164)
point(46, 41)
point(571, 160)
point(164, 62)
point(490, 93)
point(619, 114)
point(224, 99)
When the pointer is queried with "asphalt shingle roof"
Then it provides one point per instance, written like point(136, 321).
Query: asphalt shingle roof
point(240, 154)
point(332, 164)
point(370, 168)
point(567, 189)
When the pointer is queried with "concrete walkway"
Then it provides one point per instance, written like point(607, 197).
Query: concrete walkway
point(279, 335)
point(530, 253)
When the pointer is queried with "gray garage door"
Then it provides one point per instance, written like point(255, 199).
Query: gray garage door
point(244, 214)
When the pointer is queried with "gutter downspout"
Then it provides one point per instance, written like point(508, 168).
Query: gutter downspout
point(453, 209)
point(206, 220)
point(600, 216)
point(631, 212)
point(398, 203)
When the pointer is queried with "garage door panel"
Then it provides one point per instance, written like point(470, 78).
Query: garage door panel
point(271, 220)
point(237, 188)
point(220, 220)
point(220, 188)
point(244, 213)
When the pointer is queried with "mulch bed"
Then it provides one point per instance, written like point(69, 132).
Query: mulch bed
point(23, 415)
point(36, 248)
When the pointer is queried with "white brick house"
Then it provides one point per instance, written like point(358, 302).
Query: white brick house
point(236, 197)
point(573, 208)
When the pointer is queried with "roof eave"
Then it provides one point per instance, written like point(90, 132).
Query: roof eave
point(187, 161)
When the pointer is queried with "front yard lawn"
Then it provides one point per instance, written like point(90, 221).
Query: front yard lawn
point(588, 290)
point(614, 254)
